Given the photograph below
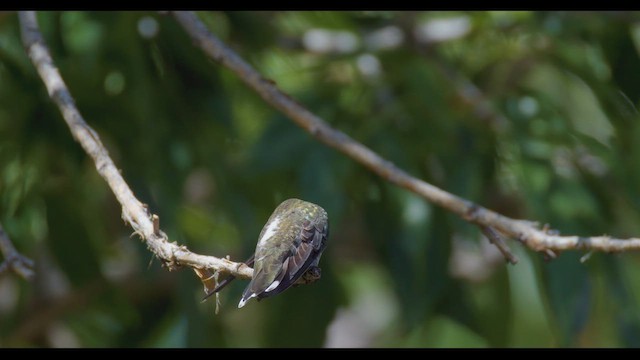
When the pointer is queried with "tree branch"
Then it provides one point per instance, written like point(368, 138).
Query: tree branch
point(134, 212)
point(497, 240)
point(13, 260)
point(525, 231)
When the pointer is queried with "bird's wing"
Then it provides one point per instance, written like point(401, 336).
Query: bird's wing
point(302, 253)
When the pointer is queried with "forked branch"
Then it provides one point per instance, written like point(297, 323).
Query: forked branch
point(13, 260)
point(525, 231)
point(134, 212)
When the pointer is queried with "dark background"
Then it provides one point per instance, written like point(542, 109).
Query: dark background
point(531, 114)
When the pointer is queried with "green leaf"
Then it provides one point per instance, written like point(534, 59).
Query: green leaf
point(568, 289)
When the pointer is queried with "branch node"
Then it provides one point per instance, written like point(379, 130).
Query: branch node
point(156, 224)
point(13, 260)
point(499, 242)
point(548, 255)
point(546, 228)
point(270, 82)
point(471, 214)
point(585, 242)
point(239, 266)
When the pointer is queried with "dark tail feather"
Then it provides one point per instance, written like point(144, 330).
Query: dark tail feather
point(227, 280)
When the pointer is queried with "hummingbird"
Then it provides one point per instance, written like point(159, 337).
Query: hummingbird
point(289, 246)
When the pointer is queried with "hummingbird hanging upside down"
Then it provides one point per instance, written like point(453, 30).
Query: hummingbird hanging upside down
point(290, 245)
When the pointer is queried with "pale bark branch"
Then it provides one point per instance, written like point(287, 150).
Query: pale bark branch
point(13, 260)
point(497, 240)
point(134, 212)
point(522, 230)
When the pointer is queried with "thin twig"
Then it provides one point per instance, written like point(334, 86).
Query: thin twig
point(531, 236)
point(13, 260)
point(133, 211)
point(497, 240)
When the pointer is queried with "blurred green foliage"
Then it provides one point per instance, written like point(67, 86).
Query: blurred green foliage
point(532, 114)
